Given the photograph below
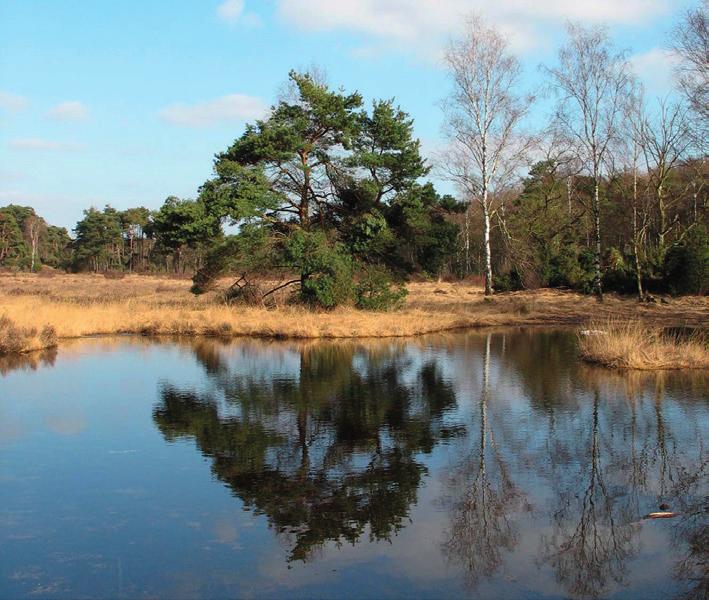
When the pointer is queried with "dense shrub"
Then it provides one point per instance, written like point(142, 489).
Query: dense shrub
point(325, 269)
point(571, 268)
point(376, 291)
point(619, 275)
point(508, 282)
point(686, 267)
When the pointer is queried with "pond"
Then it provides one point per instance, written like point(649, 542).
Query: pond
point(484, 464)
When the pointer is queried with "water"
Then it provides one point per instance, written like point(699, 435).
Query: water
point(491, 465)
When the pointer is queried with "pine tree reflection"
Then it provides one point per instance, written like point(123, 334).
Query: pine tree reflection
point(326, 455)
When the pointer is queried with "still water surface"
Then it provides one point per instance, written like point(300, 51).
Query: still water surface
point(487, 465)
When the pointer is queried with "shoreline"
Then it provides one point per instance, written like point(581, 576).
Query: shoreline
point(80, 306)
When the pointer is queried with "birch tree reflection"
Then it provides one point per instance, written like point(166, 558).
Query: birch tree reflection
point(327, 454)
point(592, 532)
point(482, 498)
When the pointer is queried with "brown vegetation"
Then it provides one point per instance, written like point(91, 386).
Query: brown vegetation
point(634, 345)
point(81, 305)
point(15, 339)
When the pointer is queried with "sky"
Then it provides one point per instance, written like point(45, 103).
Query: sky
point(126, 102)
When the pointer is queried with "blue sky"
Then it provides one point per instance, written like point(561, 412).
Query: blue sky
point(125, 103)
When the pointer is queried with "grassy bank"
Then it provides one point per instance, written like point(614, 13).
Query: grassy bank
point(633, 345)
point(82, 305)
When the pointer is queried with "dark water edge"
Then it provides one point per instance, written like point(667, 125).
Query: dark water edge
point(483, 464)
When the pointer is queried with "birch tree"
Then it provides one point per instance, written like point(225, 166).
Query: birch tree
point(629, 153)
point(691, 44)
point(591, 83)
point(483, 112)
point(665, 139)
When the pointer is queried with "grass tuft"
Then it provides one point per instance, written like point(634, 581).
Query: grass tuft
point(15, 339)
point(633, 345)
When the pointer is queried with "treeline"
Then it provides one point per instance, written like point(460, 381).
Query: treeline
point(330, 197)
point(27, 242)
point(133, 240)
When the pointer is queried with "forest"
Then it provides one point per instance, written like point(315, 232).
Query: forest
point(332, 197)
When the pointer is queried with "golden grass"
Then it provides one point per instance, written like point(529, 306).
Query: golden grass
point(634, 345)
point(83, 305)
point(16, 339)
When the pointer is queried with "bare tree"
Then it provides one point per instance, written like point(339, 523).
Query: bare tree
point(665, 139)
point(483, 112)
point(630, 146)
point(591, 83)
point(691, 42)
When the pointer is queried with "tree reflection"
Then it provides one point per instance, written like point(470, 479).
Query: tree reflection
point(483, 497)
point(592, 535)
point(327, 454)
point(691, 532)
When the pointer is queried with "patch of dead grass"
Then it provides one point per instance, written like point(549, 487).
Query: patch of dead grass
point(78, 305)
point(634, 345)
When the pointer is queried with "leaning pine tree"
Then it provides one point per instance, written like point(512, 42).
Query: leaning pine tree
point(327, 194)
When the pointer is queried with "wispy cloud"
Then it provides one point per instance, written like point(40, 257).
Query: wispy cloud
point(655, 68)
point(227, 109)
point(12, 102)
point(230, 10)
point(43, 145)
point(422, 26)
point(71, 110)
point(234, 11)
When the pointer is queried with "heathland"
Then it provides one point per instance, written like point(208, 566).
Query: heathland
point(37, 310)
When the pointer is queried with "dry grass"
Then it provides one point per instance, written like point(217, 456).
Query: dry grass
point(17, 339)
point(82, 305)
point(633, 345)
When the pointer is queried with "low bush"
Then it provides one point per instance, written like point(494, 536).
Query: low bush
point(325, 269)
point(250, 294)
point(686, 265)
point(375, 291)
point(508, 282)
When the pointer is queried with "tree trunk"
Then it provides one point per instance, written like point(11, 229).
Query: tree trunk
point(663, 223)
point(304, 208)
point(636, 241)
point(130, 260)
point(466, 243)
point(597, 283)
point(486, 241)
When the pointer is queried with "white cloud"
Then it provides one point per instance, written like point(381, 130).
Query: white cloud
point(655, 68)
point(423, 25)
point(231, 108)
point(71, 110)
point(230, 10)
point(43, 145)
point(12, 102)
point(233, 11)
